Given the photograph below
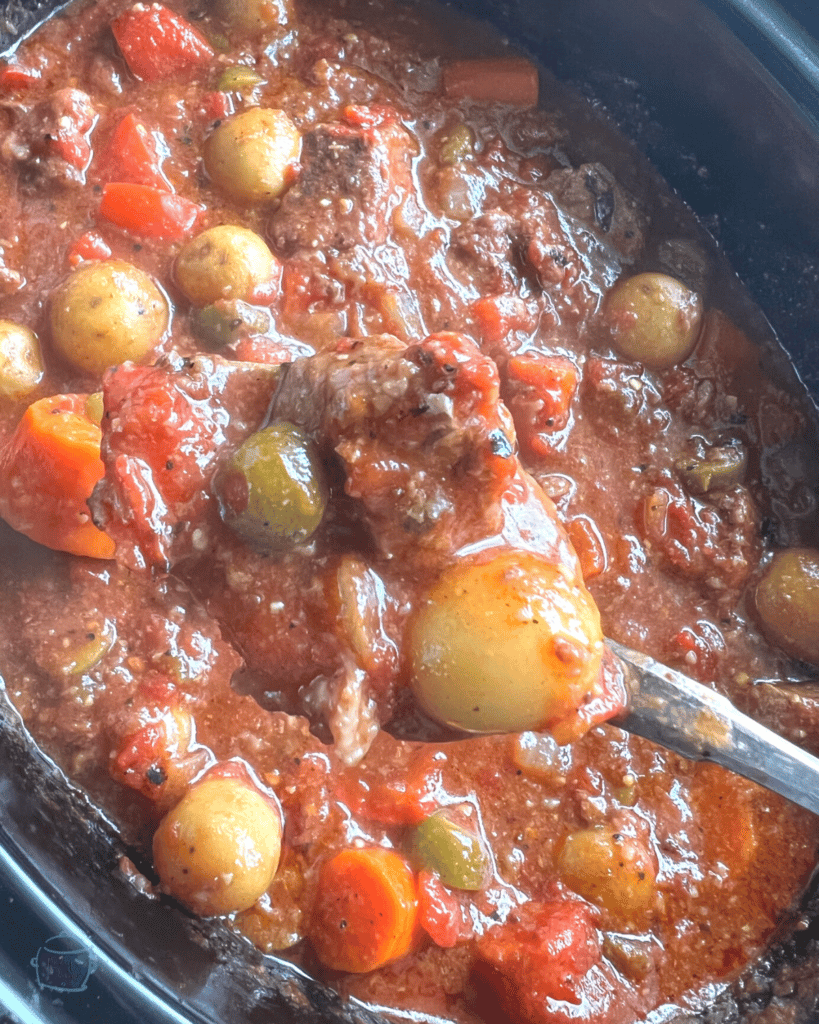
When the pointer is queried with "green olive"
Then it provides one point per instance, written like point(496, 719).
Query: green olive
point(105, 313)
point(653, 319)
point(250, 155)
point(255, 16)
point(21, 365)
point(449, 845)
point(505, 646)
point(607, 867)
point(787, 602)
point(218, 849)
point(272, 492)
point(225, 321)
point(719, 469)
point(225, 262)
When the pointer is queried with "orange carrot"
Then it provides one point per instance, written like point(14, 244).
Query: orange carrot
point(511, 80)
point(48, 469)
point(366, 910)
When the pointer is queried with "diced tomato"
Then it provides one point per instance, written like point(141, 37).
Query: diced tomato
point(149, 212)
point(589, 545)
point(369, 117)
point(439, 912)
point(134, 155)
point(539, 394)
point(497, 315)
point(253, 349)
point(401, 799)
point(157, 43)
point(90, 246)
point(18, 76)
point(696, 649)
point(543, 950)
point(216, 106)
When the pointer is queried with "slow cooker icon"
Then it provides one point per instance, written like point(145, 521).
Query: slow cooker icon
point(63, 964)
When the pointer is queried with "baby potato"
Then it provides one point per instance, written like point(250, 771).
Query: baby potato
point(787, 602)
point(105, 313)
point(505, 646)
point(21, 365)
point(249, 156)
point(255, 16)
point(225, 262)
point(607, 867)
point(218, 849)
point(653, 319)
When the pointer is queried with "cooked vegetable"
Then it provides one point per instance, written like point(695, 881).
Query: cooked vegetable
point(457, 144)
point(255, 16)
point(511, 80)
point(272, 491)
point(366, 910)
point(228, 320)
point(239, 79)
point(610, 868)
point(105, 313)
point(653, 319)
point(21, 365)
point(217, 850)
point(48, 469)
point(133, 155)
point(787, 602)
point(225, 262)
point(251, 156)
point(147, 211)
point(505, 646)
point(449, 844)
point(158, 43)
point(717, 469)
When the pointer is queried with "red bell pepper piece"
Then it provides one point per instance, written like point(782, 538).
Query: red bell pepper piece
point(150, 212)
point(157, 43)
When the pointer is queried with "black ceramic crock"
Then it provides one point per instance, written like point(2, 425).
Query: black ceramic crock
point(723, 97)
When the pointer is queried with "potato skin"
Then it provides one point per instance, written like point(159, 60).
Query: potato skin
point(218, 849)
point(653, 319)
point(255, 17)
point(105, 313)
point(249, 156)
point(786, 600)
point(21, 364)
point(224, 262)
point(505, 646)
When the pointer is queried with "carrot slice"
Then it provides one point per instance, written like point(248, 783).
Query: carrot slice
point(512, 80)
point(366, 910)
point(147, 211)
point(48, 469)
point(157, 43)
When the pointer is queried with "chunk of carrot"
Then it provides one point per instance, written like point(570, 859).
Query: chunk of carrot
point(147, 211)
point(366, 910)
point(512, 80)
point(48, 469)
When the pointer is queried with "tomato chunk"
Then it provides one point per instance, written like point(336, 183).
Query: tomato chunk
point(147, 211)
point(157, 43)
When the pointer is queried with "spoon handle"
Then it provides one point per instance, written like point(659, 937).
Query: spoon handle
point(676, 712)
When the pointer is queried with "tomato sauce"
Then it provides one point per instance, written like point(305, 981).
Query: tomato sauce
point(443, 300)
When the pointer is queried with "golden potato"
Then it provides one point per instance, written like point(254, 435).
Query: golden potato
point(105, 313)
point(225, 262)
point(787, 602)
point(21, 365)
point(217, 850)
point(249, 156)
point(505, 646)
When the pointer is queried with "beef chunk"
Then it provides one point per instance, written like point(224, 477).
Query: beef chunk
point(353, 179)
point(50, 140)
point(591, 194)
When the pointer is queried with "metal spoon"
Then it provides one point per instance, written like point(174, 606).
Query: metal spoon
point(676, 712)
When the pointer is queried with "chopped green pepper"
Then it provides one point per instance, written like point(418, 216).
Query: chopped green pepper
point(226, 320)
point(717, 470)
point(457, 144)
point(452, 849)
point(238, 79)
